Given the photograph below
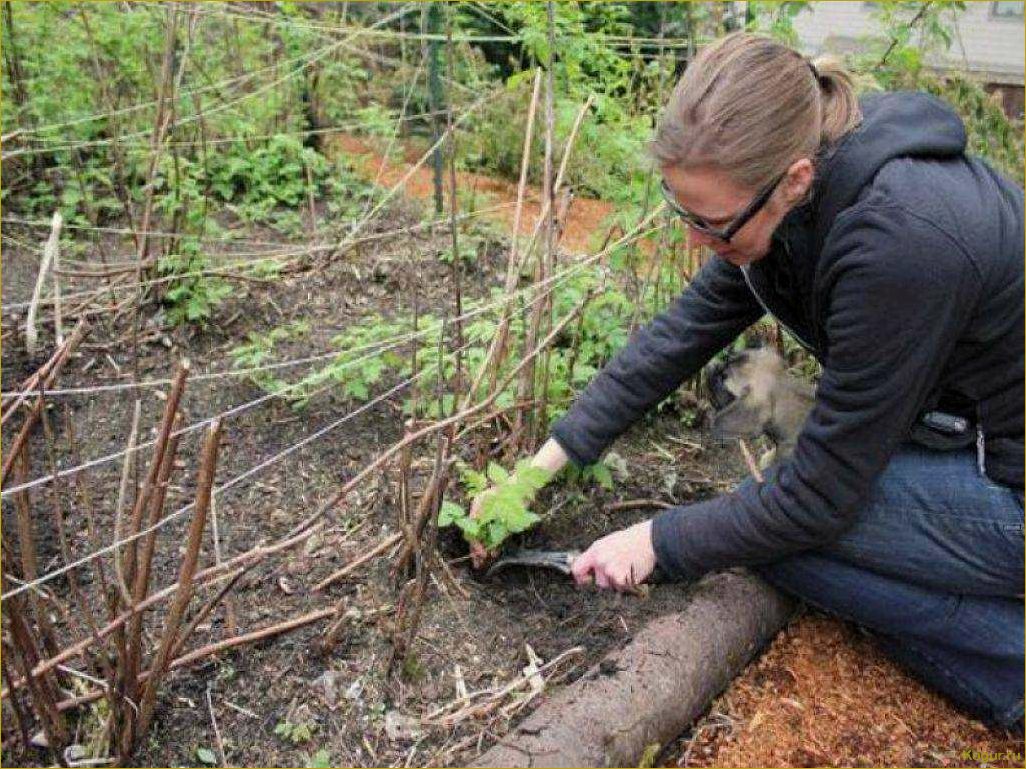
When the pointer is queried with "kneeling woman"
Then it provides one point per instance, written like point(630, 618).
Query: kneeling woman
point(897, 260)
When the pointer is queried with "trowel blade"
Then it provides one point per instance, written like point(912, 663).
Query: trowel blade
point(560, 560)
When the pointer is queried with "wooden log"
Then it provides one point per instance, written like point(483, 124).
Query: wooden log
point(649, 692)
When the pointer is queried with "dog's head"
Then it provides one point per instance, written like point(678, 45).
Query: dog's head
point(742, 392)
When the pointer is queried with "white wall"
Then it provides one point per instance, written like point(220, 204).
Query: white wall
point(987, 46)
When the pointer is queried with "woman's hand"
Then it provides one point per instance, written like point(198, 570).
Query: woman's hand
point(551, 458)
point(620, 561)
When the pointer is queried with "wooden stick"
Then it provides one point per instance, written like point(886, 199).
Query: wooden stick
point(208, 607)
point(210, 574)
point(256, 635)
point(387, 455)
point(472, 711)
point(21, 718)
point(753, 468)
point(439, 476)
point(49, 253)
point(556, 213)
point(65, 548)
point(502, 333)
point(86, 502)
point(30, 421)
point(384, 545)
point(424, 547)
point(119, 506)
point(55, 267)
point(39, 690)
point(30, 558)
point(543, 264)
point(142, 576)
point(149, 542)
point(217, 730)
point(110, 272)
point(343, 616)
point(205, 484)
point(229, 605)
point(513, 264)
point(31, 384)
point(160, 448)
point(403, 490)
point(632, 504)
point(214, 648)
point(457, 266)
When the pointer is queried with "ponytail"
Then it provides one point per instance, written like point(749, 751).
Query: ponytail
point(750, 106)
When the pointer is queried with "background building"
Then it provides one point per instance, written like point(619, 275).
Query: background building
point(988, 42)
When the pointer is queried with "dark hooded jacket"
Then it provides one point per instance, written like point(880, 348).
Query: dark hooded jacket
point(903, 274)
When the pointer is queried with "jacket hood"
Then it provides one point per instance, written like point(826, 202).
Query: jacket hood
point(894, 125)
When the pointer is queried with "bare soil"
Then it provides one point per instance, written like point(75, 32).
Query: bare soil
point(342, 695)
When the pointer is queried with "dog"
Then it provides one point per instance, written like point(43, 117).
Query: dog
point(754, 394)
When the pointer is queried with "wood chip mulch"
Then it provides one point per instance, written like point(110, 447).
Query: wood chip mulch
point(823, 695)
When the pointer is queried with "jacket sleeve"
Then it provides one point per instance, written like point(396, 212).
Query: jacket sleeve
point(715, 307)
point(898, 293)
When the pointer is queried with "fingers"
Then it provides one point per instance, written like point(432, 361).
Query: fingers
point(618, 562)
point(620, 581)
point(583, 567)
point(591, 567)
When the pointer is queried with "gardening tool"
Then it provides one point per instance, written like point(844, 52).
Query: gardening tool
point(561, 561)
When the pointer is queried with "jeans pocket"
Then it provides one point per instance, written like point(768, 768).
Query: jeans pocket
point(1018, 527)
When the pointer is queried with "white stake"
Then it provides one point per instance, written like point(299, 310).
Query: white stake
point(49, 255)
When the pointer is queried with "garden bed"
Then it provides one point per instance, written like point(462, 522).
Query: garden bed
point(288, 700)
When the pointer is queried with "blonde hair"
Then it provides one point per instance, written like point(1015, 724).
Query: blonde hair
point(750, 106)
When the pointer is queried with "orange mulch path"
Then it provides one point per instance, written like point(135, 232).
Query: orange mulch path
point(823, 695)
point(583, 225)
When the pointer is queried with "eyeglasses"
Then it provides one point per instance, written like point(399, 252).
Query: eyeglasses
point(699, 224)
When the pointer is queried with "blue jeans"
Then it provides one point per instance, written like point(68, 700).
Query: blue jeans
point(934, 566)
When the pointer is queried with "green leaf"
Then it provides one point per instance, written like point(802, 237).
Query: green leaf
point(532, 477)
point(320, 760)
point(496, 473)
point(520, 520)
point(206, 756)
point(473, 481)
point(493, 536)
point(471, 528)
point(602, 475)
point(357, 389)
point(450, 513)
